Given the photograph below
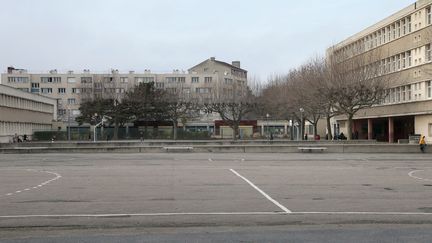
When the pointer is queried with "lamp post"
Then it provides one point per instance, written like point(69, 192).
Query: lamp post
point(301, 125)
point(267, 116)
point(69, 123)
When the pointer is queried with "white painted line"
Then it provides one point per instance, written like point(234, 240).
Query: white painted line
point(411, 174)
point(286, 210)
point(366, 213)
point(58, 176)
point(209, 214)
point(210, 160)
point(137, 215)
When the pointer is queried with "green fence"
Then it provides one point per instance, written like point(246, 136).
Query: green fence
point(131, 133)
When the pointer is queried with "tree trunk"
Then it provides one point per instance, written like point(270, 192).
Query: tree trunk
point(175, 129)
point(235, 131)
point(349, 126)
point(329, 129)
point(303, 126)
point(116, 129)
point(315, 129)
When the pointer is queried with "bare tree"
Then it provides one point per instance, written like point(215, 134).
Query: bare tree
point(354, 84)
point(233, 103)
point(178, 105)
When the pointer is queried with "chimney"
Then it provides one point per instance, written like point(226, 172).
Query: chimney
point(236, 64)
point(212, 58)
point(10, 70)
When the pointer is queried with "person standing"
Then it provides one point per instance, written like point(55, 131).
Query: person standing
point(422, 143)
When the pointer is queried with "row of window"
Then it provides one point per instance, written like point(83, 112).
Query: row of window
point(21, 128)
point(89, 80)
point(405, 60)
point(389, 33)
point(20, 103)
point(406, 93)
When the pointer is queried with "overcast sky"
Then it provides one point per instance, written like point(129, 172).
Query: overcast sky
point(267, 36)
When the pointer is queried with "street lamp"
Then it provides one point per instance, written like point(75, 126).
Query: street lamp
point(301, 125)
point(267, 116)
point(69, 123)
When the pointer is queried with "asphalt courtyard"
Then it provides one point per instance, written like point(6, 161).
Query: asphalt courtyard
point(91, 192)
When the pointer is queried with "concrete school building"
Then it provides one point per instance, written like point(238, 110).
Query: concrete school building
point(404, 42)
point(22, 113)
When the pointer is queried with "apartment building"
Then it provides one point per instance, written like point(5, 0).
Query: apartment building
point(211, 78)
point(403, 42)
point(22, 113)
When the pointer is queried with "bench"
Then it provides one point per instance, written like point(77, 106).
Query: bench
point(178, 149)
point(310, 149)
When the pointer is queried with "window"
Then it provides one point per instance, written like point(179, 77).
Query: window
point(404, 27)
point(120, 90)
point(228, 81)
point(208, 80)
point(429, 89)
point(398, 95)
point(108, 79)
point(86, 80)
point(24, 89)
point(62, 90)
point(409, 60)
point(18, 79)
point(144, 79)
point(50, 79)
point(71, 101)
point(123, 80)
point(195, 80)
point(75, 90)
point(203, 90)
point(408, 92)
point(71, 80)
point(428, 15)
point(46, 90)
point(181, 80)
point(398, 29)
point(428, 53)
point(403, 93)
point(398, 62)
point(61, 112)
point(409, 24)
point(159, 85)
point(170, 79)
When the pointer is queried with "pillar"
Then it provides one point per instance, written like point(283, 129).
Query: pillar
point(370, 129)
point(286, 129)
point(262, 130)
point(391, 130)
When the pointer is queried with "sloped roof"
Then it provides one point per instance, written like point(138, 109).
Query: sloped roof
point(219, 62)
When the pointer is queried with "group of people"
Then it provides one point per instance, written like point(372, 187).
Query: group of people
point(19, 139)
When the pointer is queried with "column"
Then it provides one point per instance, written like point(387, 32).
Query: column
point(286, 129)
point(370, 129)
point(391, 129)
point(262, 129)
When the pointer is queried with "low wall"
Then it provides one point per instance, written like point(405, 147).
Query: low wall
point(214, 148)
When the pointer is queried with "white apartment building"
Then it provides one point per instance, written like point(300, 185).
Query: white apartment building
point(209, 78)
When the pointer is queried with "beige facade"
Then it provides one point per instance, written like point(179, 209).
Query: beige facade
point(208, 79)
point(23, 113)
point(401, 48)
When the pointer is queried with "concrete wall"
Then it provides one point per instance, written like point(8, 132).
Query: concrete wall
point(423, 125)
